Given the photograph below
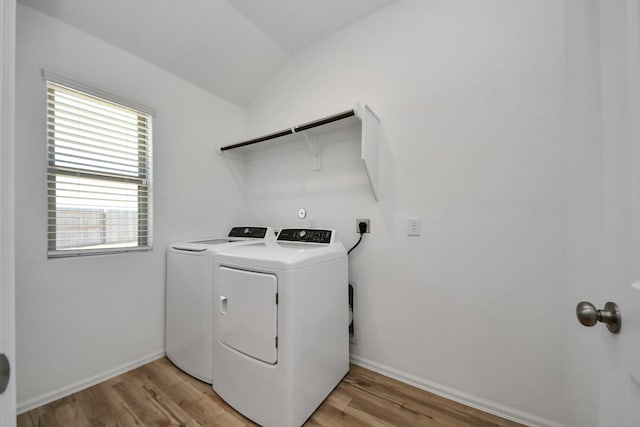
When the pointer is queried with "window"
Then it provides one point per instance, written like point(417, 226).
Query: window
point(98, 175)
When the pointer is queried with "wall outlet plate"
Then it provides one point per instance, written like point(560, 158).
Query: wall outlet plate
point(413, 226)
point(358, 221)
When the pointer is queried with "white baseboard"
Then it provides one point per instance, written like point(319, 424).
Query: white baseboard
point(81, 385)
point(456, 395)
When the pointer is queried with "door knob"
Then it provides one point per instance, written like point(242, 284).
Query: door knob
point(610, 315)
point(5, 373)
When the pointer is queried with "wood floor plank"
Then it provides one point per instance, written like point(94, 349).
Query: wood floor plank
point(414, 399)
point(389, 411)
point(72, 415)
point(340, 397)
point(120, 414)
point(96, 407)
point(330, 416)
point(31, 419)
point(45, 415)
point(159, 394)
point(24, 421)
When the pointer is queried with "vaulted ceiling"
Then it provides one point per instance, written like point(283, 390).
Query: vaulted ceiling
point(229, 47)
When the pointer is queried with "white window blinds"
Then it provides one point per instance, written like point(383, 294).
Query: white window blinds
point(99, 174)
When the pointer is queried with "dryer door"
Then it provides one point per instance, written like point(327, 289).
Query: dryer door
point(248, 313)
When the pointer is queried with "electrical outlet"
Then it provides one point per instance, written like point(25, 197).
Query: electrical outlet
point(365, 220)
point(413, 226)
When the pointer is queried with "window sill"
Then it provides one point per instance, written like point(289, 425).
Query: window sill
point(92, 252)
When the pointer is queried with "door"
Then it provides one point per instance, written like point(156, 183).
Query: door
point(248, 312)
point(603, 369)
point(7, 305)
point(620, 68)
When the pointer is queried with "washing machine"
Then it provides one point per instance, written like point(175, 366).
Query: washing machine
point(189, 296)
point(281, 325)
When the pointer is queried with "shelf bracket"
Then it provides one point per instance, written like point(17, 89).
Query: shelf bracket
point(314, 149)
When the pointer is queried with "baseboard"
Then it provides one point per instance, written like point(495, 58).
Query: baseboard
point(455, 395)
point(81, 385)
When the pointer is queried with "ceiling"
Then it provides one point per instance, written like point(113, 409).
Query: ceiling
point(296, 24)
point(229, 47)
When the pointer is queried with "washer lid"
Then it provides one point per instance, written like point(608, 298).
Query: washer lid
point(237, 235)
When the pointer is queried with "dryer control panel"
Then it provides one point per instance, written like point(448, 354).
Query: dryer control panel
point(310, 235)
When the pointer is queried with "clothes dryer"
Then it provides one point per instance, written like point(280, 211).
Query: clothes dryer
point(189, 296)
point(281, 322)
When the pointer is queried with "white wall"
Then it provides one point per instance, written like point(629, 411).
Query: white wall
point(81, 318)
point(584, 211)
point(472, 98)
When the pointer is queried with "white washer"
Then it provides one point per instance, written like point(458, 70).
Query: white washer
point(189, 313)
point(281, 339)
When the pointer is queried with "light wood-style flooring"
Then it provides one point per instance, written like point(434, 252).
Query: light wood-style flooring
point(159, 394)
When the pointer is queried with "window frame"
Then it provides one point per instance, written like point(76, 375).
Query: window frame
point(143, 183)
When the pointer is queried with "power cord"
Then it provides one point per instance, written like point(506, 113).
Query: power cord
point(362, 226)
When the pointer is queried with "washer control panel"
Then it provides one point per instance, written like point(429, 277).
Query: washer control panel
point(255, 232)
point(310, 235)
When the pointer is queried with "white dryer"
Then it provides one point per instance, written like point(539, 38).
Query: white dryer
point(189, 296)
point(281, 341)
